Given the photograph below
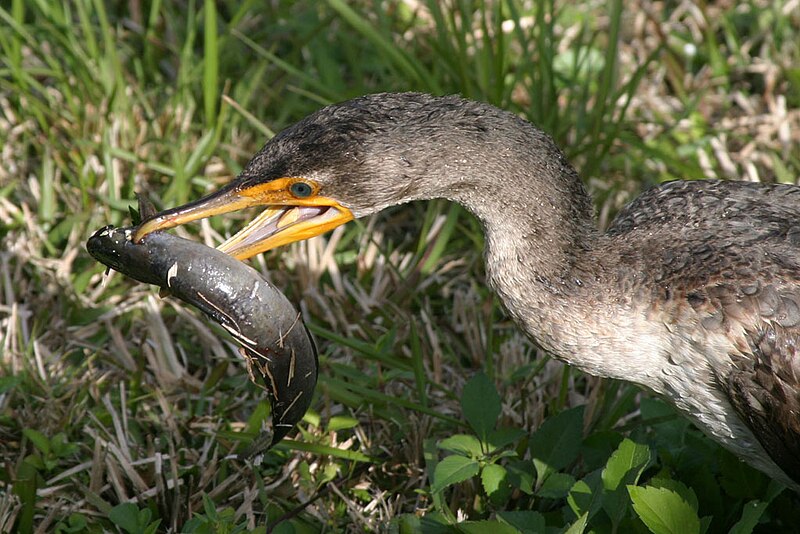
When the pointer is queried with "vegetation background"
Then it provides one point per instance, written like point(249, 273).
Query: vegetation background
point(433, 413)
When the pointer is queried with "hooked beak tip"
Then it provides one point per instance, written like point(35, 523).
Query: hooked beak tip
point(223, 201)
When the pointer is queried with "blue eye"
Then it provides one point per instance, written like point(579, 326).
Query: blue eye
point(301, 189)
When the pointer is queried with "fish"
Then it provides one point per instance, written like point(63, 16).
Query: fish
point(274, 341)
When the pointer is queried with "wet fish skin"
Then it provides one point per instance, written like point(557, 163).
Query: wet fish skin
point(271, 332)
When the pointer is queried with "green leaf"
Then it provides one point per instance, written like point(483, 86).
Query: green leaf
point(579, 526)
point(126, 517)
point(481, 405)
point(463, 444)
point(482, 527)
point(504, 436)
point(431, 456)
point(738, 479)
point(25, 486)
point(38, 439)
point(556, 486)
point(751, 513)
point(341, 422)
point(664, 511)
point(432, 523)
point(686, 493)
point(452, 470)
point(494, 478)
point(320, 449)
point(753, 510)
point(598, 447)
point(61, 447)
point(557, 443)
point(520, 475)
point(626, 464)
point(75, 523)
point(586, 496)
point(524, 521)
point(669, 425)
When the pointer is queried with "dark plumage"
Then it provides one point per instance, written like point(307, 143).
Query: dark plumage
point(693, 292)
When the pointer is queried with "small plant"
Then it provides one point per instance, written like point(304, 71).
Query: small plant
point(213, 521)
point(521, 487)
point(130, 519)
point(481, 453)
point(49, 451)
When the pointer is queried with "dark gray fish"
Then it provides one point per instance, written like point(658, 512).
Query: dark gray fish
point(274, 340)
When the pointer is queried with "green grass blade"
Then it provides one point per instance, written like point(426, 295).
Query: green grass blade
point(324, 450)
point(397, 57)
point(210, 63)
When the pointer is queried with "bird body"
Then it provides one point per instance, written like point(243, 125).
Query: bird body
point(693, 291)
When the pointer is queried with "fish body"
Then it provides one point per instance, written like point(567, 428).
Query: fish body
point(273, 338)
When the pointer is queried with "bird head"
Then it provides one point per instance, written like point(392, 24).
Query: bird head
point(342, 162)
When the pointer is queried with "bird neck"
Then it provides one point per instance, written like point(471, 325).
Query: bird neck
point(539, 228)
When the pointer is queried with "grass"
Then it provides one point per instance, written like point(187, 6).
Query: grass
point(118, 409)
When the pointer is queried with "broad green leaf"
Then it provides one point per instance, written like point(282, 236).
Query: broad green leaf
point(752, 511)
point(431, 456)
point(341, 422)
point(39, 440)
point(74, 523)
point(482, 527)
point(626, 464)
point(481, 405)
point(686, 493)
point(431, 523)
point(126, 517)
point(525, 521)
point(61, 447)
point(557, 443)
point(504, 454)
point(586, 496)
point(520, 475)
point(738, 479)
point(144, 518)
point(671, 427)
point(556, 486)
point(598, 447)
point(664, 511)
point(452, 470)
point(616, 504)
point(504, 436)
point(494, 478)
point(463, 444)
point(210, 508)
point(579, 526)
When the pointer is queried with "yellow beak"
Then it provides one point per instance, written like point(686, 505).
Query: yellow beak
point(286, 219)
